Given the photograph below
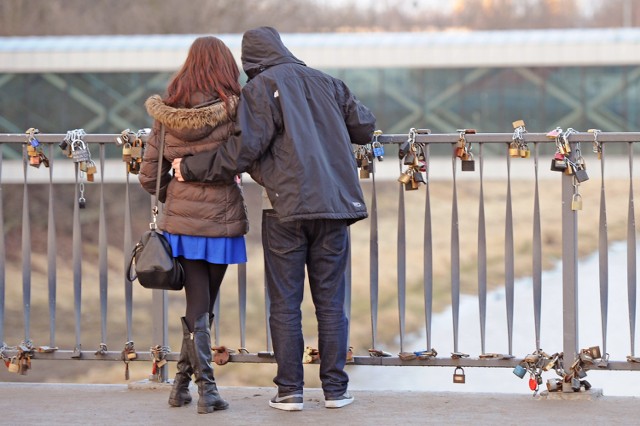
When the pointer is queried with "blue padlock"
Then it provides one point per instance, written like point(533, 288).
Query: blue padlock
point(378, 150)
point(519, 371)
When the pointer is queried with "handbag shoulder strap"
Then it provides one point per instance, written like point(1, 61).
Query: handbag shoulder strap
point(154, 209)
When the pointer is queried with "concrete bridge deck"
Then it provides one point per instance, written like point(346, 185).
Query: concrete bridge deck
point(71, 404)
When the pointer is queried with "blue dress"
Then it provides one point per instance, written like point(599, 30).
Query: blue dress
point(220, 250)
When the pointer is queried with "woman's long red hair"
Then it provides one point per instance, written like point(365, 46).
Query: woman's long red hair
point(209, 68)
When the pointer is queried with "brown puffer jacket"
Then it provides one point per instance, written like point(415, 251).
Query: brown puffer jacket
point(192, 208)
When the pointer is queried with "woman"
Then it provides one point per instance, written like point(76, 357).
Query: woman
point(204, 223)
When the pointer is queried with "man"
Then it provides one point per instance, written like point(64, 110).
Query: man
point(294, 134)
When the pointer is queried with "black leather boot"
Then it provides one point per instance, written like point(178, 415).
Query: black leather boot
point(210, 399)
point(180, 394)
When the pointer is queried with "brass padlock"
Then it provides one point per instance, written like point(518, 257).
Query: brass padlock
point(594, 352)
point(126, 152)
point(405, 177)
point(14, 365)
point(364, 172)
point(136, 148)
point(513, 150)
point(34, 161)
point(411, 185)
point(576, 202)
point(518, 123)
point(458, 375)
point(91, 167)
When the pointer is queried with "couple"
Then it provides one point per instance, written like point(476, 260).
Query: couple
point(291, 127)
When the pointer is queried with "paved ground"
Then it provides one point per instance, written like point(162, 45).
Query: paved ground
point(71, 404)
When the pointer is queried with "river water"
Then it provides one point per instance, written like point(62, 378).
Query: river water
point(619, 383)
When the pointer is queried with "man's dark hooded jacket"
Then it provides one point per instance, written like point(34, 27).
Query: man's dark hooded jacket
point(294, 133)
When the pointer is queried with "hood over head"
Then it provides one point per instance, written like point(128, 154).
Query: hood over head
point(262, 48)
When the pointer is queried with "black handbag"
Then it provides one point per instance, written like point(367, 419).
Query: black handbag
point(152, 262)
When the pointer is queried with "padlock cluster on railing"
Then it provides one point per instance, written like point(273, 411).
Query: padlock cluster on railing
point(365, 155)
point(412, 154)
point(132, 149)
point(34, 149)
point(463, 150)
point(572, 380)
point(74, 147)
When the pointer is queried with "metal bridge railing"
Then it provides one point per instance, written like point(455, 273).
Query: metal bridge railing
point(413, 172)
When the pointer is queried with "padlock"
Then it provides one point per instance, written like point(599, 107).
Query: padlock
point(518, 123)
point(82, 203)
point(580, 373)
point(576, 202)
point(585, 384)
point(458, 152)
point(519, 371)
point(553, 385)
point(14, 365)
point(531, 358)
point(136, 149)
point(378, 150)
point(364, 172)
point(79, 151)
point(411, 185)
point(405, 177)
point(594, 352)
point(533, 383)
point(422, 166)
point(91, 167)
point(575, 384)
point(126, 152)
point(34, 161)
point(43, 159)
point(458, 375)
point(513, 150)
point(581, 175)
point(523, 151)
point(404, 149)
point(410, 158)
point(418, 177)
point(468, 165)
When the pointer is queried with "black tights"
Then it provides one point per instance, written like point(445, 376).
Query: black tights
point(201, 286)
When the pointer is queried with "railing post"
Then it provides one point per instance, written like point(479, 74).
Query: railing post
point(160, 327)
point(569, 274)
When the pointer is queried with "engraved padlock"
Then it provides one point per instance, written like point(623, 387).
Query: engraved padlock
point(79, 151)
point(458, 375)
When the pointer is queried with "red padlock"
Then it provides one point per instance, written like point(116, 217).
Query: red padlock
point(533, 384)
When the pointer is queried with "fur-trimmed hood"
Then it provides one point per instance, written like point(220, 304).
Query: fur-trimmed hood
point(191, 123)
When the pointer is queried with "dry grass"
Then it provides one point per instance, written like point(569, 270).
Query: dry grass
point(361, 332)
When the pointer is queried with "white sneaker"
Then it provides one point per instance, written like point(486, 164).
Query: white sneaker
point(287, 403)
point(339, 402)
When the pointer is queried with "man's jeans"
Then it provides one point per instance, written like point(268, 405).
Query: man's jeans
point(321, 245)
